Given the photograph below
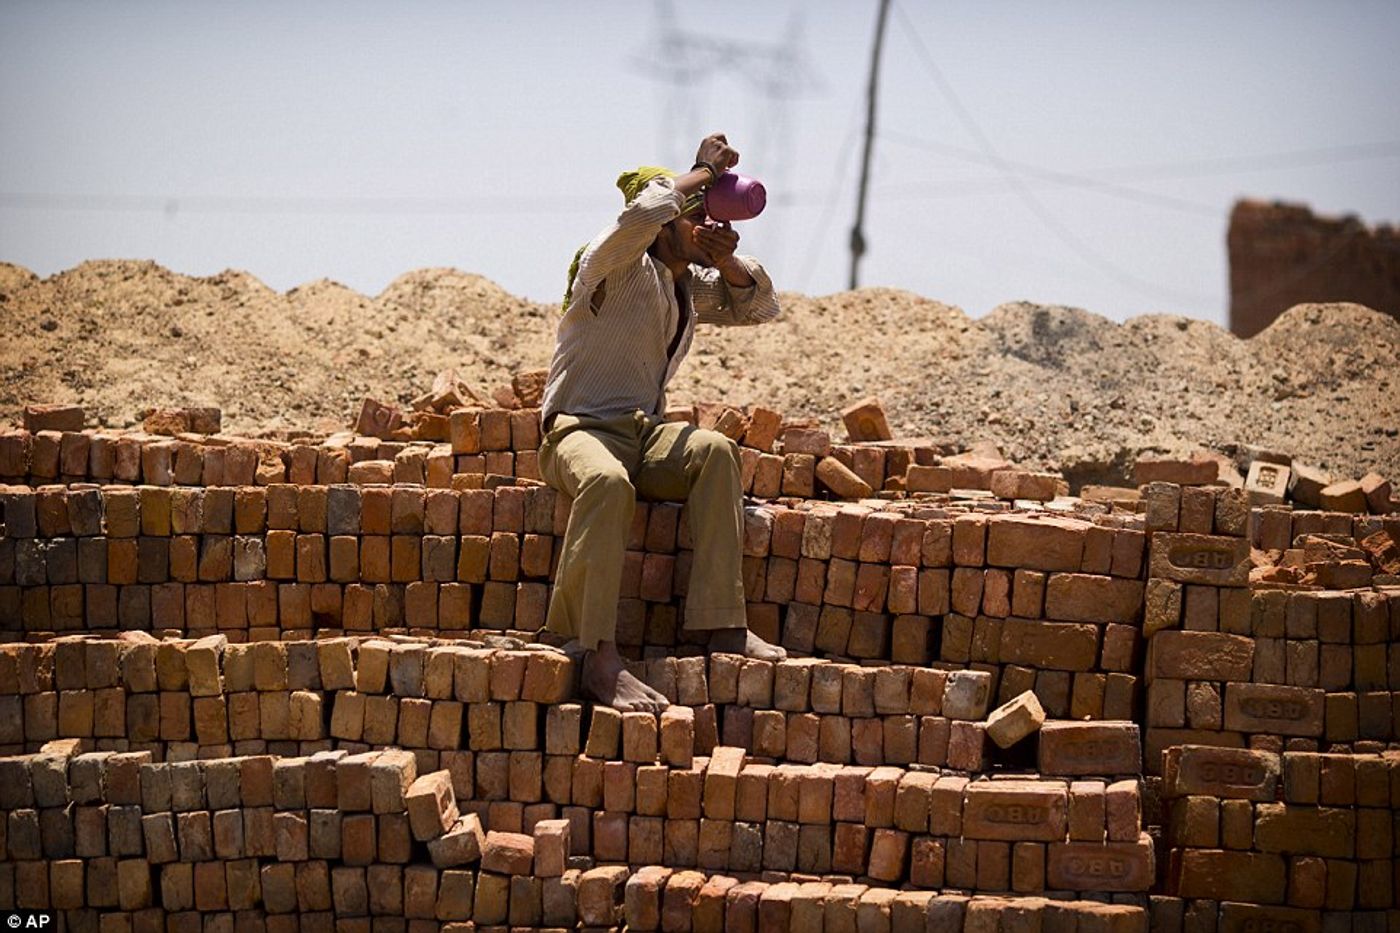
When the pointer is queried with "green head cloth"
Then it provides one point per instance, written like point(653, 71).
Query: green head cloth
point(631, 184)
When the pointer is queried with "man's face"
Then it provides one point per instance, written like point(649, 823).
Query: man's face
point(683, 236)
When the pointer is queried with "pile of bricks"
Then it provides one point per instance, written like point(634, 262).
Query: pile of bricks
point(990, 835)
point(1274, 478)
point(1310, 831)
point(483, 446)
point(282, 685)
point(503, 445)
point(309, 843)
point(180, 700)
point(1269, 665)
point(859, 581)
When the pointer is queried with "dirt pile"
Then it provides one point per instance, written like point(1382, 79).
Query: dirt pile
point(1053, 386)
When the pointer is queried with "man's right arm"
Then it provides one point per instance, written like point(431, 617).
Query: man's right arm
point(631, 234)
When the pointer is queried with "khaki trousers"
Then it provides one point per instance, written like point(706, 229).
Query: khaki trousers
point(604, 464)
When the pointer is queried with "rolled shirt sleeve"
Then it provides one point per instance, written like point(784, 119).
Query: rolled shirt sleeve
point(718, 302)
point(630, 235)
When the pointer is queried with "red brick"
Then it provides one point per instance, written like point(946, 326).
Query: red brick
point(1232, 876)
point(1090, 748)
point(1061, 646)
point(1242, 774)
point(1212, 656)
point(1051, 545)
point(1089, 598)
point(1208, 559)
point(1295, 711)
point(1015, 810)
point(865, 421)
point(1115, 866)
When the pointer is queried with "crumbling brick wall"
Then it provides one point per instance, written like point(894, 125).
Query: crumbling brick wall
point(1282, 255)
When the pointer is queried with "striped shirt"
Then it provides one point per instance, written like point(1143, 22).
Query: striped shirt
point(613, 355)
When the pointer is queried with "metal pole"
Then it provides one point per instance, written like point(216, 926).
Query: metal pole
point(857, 233)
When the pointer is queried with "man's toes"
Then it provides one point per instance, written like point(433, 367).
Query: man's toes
point(648, 702)
point(655, 699)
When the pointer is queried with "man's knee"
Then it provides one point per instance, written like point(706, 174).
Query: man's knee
point(705, 446)
point(612, 486)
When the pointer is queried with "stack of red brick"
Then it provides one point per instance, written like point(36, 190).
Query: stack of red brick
point(856, 581)
point(363, 842)
point(1310, 831)
point(1267, 664)
point(448, 703)
point(341, 599)
point(488, 446)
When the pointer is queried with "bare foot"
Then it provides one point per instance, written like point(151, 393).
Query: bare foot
point(742, 641)
point(607, 680)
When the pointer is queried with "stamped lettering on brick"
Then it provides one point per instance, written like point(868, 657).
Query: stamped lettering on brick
point(1193, 558)
point(1237, 773)
point(1258, 918)
point(1074, 748)
point(1200, 557)
point(1269, 708)
point(1087, 866)
point(1015, 810)
point(1274, 708)
point(1015, 813)
point(1226, 772)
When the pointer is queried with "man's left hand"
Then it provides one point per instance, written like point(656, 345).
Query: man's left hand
point(716, 242)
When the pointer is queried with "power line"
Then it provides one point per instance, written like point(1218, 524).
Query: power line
point(682, 61)
point(1164, 171)
point(1228, 165)
point(254, 204)
point(1196, 168)
point(1065, 179)
point(1018, 185)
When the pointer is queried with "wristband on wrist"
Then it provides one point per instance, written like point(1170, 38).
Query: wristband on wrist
point(709, 167)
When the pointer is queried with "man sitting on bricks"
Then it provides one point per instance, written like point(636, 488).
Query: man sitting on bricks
point(634, 297)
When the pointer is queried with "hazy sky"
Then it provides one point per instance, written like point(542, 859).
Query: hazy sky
point(1082, 153)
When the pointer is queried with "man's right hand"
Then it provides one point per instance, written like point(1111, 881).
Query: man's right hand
point(715, 149)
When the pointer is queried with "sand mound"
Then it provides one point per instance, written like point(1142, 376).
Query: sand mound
point(1053, 386)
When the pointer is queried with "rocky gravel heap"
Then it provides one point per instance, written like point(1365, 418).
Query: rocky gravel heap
point(1052, 386)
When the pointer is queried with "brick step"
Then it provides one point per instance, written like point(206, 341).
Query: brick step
point(316, 897)
point(505, 443)
point(182, 699)
point(270, 610)
point(655, 898)
point(629, 806)
point(471, 448)
point(892, 827)
point(1053, 604)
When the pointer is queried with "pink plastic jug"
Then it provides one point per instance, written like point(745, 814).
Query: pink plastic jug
point(735, 197)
